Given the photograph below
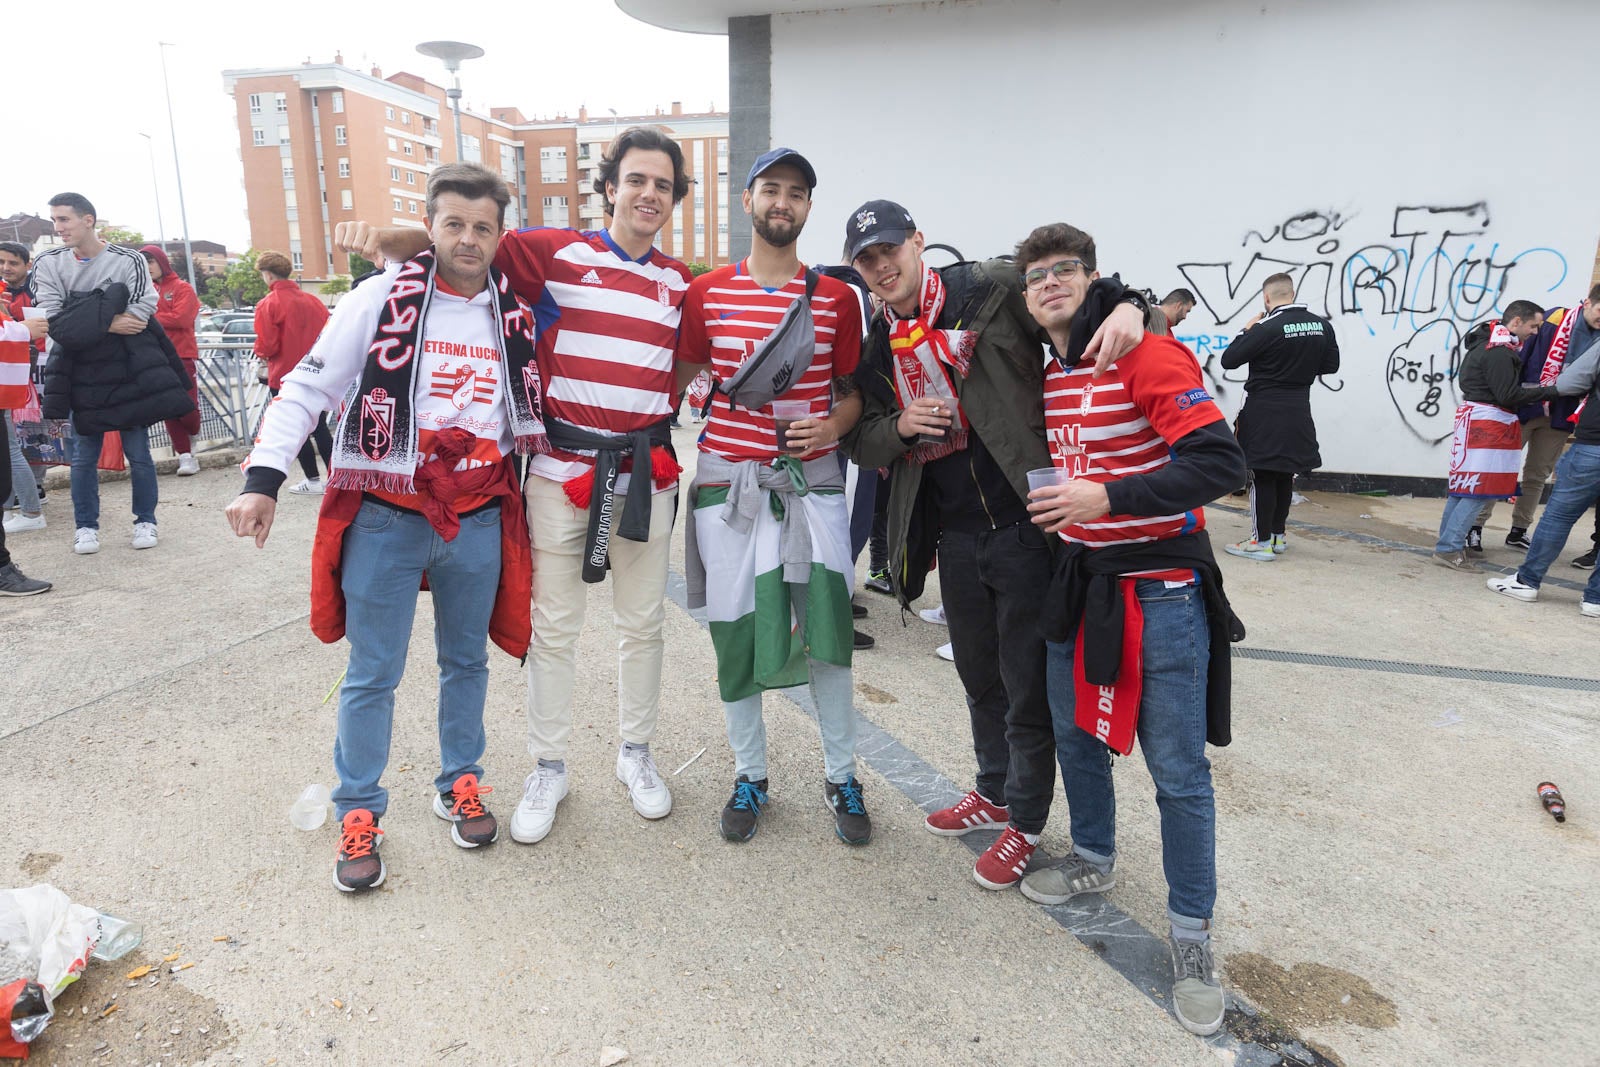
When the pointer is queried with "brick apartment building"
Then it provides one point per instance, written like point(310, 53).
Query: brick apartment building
point(322, 143)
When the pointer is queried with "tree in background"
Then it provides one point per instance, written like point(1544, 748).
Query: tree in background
point(360, 265)
point(337, 285)
point(214, 290)
point(117, 235)
point(243, 280)
point(697, 268)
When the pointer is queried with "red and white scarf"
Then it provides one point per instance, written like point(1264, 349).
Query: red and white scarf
point(1557, 357)
point(1485, 451)
point(923, 357)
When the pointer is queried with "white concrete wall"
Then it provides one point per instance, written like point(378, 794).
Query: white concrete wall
point(1414, 163)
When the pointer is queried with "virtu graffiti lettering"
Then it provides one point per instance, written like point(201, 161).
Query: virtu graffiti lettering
point(1410, 293)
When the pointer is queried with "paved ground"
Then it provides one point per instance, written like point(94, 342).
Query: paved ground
point(1391, 890)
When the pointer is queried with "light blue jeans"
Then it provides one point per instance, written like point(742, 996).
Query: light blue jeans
point(86, 477)
point(24, 487)
point(1576, 490)
point(1172, 734)
point(386, 553)
point(1460, 516)
point(832, 691)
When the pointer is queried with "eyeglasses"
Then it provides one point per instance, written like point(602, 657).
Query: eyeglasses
point(1067, 268)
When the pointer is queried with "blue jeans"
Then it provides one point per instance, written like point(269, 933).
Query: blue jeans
point(386, 553)
point(86, 477)
point(1576, 490)
point(1172, 733)
point(1460, 516)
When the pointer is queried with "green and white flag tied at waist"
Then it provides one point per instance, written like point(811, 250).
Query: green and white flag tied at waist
point(768, 555)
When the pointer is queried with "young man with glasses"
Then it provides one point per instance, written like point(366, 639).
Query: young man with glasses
point(1137, 620)
point(952, 391)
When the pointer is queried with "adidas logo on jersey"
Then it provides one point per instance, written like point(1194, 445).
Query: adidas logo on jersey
point(592, 278)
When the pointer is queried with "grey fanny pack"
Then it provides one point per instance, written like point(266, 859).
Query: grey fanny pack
point(780, 360)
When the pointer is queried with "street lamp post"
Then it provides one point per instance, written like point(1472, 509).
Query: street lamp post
point(453, 53)
point(155, 186)
point(183, 212)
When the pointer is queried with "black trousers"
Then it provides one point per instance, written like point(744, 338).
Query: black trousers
point(1270, 493)
point(993, 585)
point(324, 446)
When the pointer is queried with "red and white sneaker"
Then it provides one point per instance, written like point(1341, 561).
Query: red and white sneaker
point(1001, 867)
point(971, 813)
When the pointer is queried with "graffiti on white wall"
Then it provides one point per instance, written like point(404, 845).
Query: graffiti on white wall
point(1400, 288)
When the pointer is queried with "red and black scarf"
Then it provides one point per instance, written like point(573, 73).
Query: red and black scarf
point(375, 444)
point(924, 357)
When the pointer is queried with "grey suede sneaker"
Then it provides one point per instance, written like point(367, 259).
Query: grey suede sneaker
point(1196, 993)
point(1072, 877)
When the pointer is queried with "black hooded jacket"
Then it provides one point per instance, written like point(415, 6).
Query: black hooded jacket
point(109, 381)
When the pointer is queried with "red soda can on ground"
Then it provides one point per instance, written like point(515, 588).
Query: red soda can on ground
point(1551, 796)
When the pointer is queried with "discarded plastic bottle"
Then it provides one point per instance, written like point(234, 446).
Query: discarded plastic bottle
point(311, 810)
point(1552, 801)
point(118, 937)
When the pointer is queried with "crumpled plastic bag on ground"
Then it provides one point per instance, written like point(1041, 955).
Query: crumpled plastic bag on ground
point(44, 938)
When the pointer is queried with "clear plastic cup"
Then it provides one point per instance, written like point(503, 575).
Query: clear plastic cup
point(118, 937)
point(1045, 477)
point(784, 414)
point(311, 810)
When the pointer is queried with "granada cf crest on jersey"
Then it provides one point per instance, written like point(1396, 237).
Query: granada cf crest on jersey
point(377, 424)
point(463, 385)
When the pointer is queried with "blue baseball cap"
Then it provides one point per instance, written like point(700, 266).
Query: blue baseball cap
point(768, 160)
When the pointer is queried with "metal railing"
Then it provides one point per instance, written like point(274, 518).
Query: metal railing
point(232, 399)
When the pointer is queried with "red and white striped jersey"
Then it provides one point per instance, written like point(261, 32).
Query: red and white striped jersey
point(608, 331)
point(727, 313)
point(1126, 421)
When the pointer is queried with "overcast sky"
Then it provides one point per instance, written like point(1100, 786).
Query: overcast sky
point(90, 85)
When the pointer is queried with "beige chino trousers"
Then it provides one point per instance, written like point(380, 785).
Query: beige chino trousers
point(560, 597)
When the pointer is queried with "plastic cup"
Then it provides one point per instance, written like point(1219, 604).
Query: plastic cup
point(33, 313)
point(118, 937)
point(1045, 477)
point(311, 810)
point(784, 414)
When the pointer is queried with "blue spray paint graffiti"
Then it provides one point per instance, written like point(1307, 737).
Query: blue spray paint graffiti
point(1414, 291)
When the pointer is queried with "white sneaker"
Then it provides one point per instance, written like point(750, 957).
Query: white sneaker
point(1588, 610)
point(1507, 585)
point(946, 651)
point(307, 487)
point(20, 523)
point(542, 792)
point(934, 615)
point(144, 535)
point(86, 542)
point(187, 465)
point(637, 771)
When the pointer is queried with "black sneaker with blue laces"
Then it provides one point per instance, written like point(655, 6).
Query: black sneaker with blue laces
point(739, 815)
point(850, 819)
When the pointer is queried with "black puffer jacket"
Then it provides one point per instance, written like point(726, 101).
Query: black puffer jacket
point(109, 381)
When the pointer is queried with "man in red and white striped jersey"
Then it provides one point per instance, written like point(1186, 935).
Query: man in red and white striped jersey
point(768, 551)
point(608, 306)
point(1137, 622)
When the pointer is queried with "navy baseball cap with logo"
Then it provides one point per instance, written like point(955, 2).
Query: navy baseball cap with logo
point(877, 222)
point(771, 159)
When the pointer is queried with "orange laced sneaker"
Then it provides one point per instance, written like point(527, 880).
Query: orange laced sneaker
point(358, 865)
point(471, 824)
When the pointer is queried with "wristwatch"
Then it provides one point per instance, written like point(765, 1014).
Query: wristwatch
point(1130, 295)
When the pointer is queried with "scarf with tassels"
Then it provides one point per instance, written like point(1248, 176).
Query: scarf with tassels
point(1556, 358)
point(924, 357)
point(375, 444)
